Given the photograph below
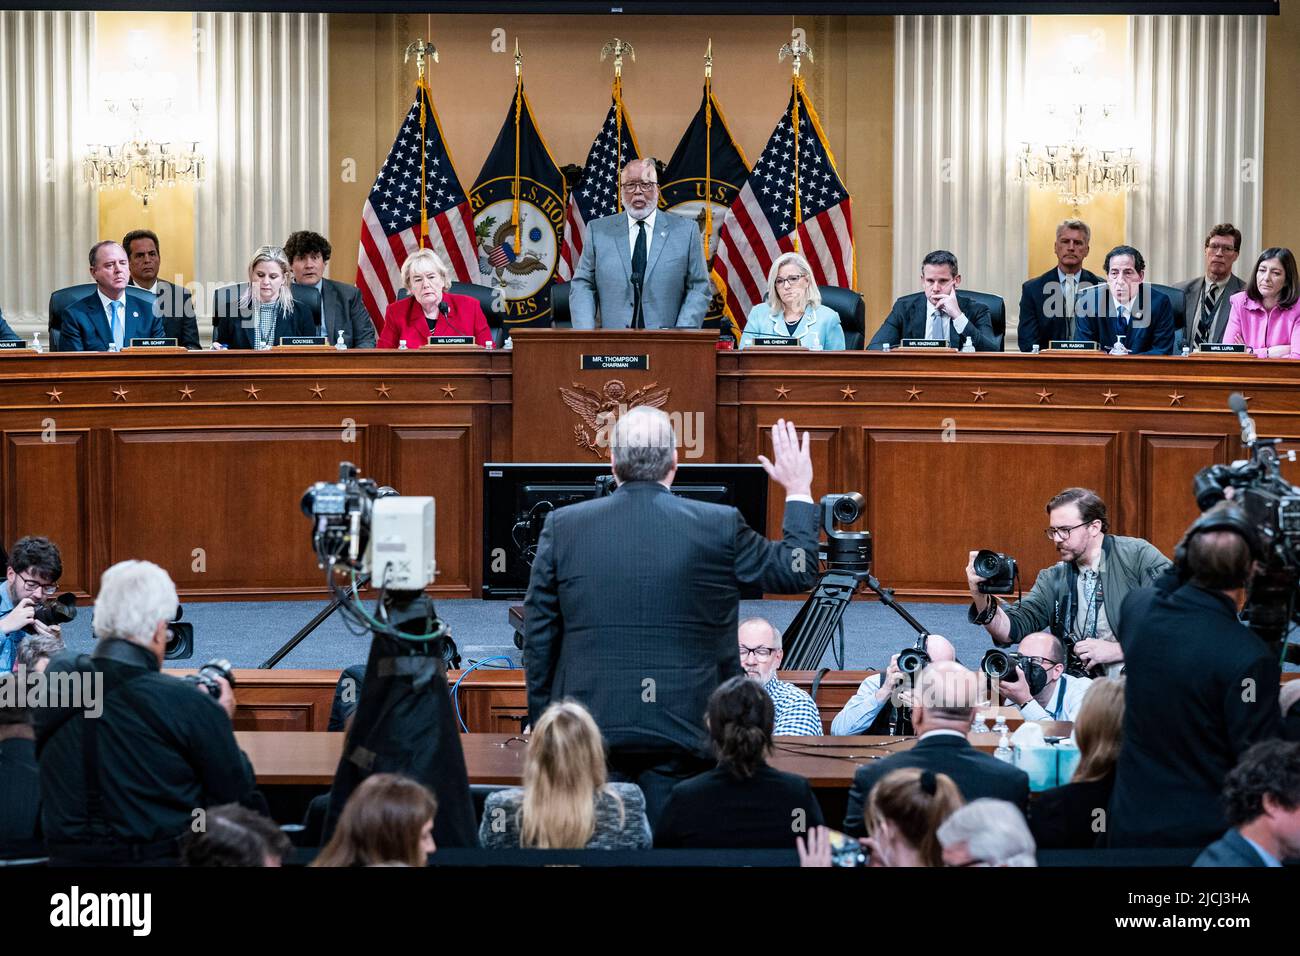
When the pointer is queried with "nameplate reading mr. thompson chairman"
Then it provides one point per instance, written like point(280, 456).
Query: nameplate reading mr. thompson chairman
point(640, 363)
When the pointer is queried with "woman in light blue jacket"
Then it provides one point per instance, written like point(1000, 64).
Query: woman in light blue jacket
point(794, 309)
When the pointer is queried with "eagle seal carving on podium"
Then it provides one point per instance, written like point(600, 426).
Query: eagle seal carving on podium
point(600, 410)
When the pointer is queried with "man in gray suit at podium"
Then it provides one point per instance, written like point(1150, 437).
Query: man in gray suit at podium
point(640, 269)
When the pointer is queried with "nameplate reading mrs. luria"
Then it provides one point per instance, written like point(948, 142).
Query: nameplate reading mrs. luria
point(1072, 345)
point(1230, 348)
point(640, 363)
point(9, 345)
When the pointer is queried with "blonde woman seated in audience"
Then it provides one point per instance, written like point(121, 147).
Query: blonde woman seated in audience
point(388, 821)
point(565, 802)
point(904, 813)
point(1066, 817)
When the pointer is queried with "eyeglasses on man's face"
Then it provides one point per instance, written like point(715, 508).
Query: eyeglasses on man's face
point(1060, 534)
point(34, 586)
point(639, 186)
point(789, 280)
point(762, 653)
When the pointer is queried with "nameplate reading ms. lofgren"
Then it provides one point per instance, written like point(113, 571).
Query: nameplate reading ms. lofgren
point(640, 363)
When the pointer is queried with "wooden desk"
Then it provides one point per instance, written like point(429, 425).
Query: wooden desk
point(281, 758)
point(198, 461)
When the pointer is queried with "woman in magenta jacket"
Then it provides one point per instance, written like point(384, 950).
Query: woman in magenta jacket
point(1266, 315)
point(426, 277)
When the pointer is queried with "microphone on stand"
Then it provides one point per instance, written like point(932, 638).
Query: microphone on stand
point(638, 320)
point(1238, 404)
point(444, 310)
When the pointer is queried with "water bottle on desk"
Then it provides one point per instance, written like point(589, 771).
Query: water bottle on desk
point(1000, 725)
point(1003, 752)
point(36, 342)
point(340, 344)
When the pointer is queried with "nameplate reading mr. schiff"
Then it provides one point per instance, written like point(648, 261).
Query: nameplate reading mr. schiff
point(640, 363)
point(153, 344)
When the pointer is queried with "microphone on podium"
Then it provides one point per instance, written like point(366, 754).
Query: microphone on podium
point(444, 310)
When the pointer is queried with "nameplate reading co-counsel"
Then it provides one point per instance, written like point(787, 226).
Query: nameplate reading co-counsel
point(639, 363)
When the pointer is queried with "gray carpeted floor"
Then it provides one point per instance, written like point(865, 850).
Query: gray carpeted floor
point(247, 633)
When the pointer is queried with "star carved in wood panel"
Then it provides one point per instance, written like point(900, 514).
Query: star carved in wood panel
point(187, 393)
point(781, 392)
point(119, 394)
point(1109, 396)
point(55, 396)
point(1176, 399)
point(848, 392)
point(382, 389)
point(979, 394)
point(1044, 396)
point(914, 393)
point(449, 391)
point(318, 390)
point(252, 391)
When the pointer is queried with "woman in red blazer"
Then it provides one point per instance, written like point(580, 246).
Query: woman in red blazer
point(425, 277)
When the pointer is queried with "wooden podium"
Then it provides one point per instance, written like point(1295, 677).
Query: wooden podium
point(567, 381)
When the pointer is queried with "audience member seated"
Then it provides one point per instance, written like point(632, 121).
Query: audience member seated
point(869, 711)
point(342, 310)
point(743, 802)
point(1047, 302)
point(943, 703)
point(794, 309)
point(1067, 817)
point(760, 656)
point(565, 803)
point(34, 652)
point(1126, 306)
point(1042, 690)
point(111, 316)
point(122, 774)
point(235, 836)
point(6, 332)
point(172, 303)
point(266, 311)
point(20, 779)
point(1266, 316)
point(388, 821)
point(1207, 295)
point(939, 311)
point(32, 575)
point(430, 310)
point(1261, 801)
point(987, 832)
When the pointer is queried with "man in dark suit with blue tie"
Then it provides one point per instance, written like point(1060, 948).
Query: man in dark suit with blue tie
point(1261, 801)
point(5, 331)
point(939, 311)
point(1126, 306)
point(1047, 302)
point(173, 303)
point(112, 315)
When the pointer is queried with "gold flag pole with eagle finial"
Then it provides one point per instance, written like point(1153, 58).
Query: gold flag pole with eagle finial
point(617, 48)
point(420, 49)
point(796, 49)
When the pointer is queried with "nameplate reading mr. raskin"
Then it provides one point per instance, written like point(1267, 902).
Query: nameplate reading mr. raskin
point(640, 363)
point(1072, 345)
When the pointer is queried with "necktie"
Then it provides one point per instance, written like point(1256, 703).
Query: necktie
point(1207, 314)
point(1071, 287)
point(936, 324)
point(119, 330)
point(638, 251)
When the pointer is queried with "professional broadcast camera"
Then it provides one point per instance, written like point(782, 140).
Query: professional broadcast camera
point(1272, 506)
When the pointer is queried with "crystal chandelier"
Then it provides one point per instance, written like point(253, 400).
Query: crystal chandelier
point(1075, 167)
point(140, 164)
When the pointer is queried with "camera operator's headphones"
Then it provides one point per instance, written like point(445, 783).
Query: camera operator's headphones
point(1222, 518)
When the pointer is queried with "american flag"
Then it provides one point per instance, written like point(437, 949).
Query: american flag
point(760, 224)
point(390, 219)
point(596, 194)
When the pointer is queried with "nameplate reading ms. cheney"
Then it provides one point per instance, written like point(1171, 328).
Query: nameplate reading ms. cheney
point(639, 363)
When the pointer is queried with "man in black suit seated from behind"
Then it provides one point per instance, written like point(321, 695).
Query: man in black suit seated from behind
point(943, 704)
point(939, 311)
point(633, 602)
point(1261, 799)
point(1047, 302)
point(173, 303)
point(342, 309)
point(1200, 688)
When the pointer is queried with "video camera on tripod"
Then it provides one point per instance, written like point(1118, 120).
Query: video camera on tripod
point(1271, 505)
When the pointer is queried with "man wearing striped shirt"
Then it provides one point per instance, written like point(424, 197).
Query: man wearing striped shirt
point(760, 656)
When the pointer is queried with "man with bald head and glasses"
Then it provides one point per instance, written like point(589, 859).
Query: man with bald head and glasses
point(639, 269)
point(1040, 687)
point(760, 656)
point(1077, 599)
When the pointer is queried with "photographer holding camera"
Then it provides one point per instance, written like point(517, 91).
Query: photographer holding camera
point(1079, 598)
point(121, 780)
point(1041, 688)
point(33, 573)
point(1201, 688)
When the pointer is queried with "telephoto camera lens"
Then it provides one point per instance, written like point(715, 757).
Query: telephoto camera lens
point(998, 664)
point(207, 676)
point(912, 660)
point(998, 571)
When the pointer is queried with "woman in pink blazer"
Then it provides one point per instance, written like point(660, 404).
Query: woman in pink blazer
point(425, 277)
point(1266, 315)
